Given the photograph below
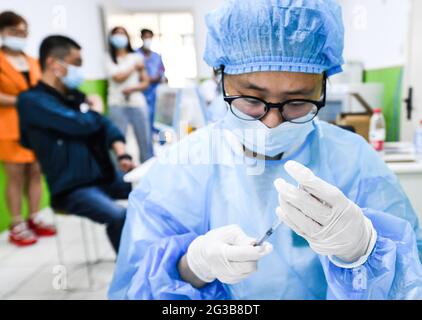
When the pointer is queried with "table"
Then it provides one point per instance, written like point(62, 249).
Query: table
point(410, 176)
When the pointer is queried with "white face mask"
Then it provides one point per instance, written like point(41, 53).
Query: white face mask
point(74, 76)
point(257, 137)
point(148, 44)
point(14, 43)
point(119, 41)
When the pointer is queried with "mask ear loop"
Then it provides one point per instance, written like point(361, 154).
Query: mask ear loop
point(63, 64)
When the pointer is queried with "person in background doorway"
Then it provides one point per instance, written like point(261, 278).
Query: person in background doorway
point(155, 68)
point(18, 72)
point(127, 80)
point(72, 140)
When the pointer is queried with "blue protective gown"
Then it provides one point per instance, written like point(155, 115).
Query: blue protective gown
point(177, 202)
point(154, 67)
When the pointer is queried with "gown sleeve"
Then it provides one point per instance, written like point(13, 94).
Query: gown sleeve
point(165, 214)
point(393, 269)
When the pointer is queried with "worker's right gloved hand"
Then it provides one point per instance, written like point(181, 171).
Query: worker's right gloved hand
point(226, 254)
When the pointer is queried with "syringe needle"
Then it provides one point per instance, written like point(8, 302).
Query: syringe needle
point(269, 232)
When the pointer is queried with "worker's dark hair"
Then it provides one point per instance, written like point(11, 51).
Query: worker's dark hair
point(57, 46)
point(112, 49)
point(10, 19)
point(145, 31)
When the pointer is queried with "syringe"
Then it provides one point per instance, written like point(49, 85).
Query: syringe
point(269, 232)
point(277, 223)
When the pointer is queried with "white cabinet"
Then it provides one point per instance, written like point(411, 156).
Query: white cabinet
point(410, 176)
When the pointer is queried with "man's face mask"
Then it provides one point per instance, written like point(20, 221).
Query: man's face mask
point(148, 44)
point(257, 137)
point(74, 76)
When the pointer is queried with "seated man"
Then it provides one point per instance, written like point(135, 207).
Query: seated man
point(72, 140)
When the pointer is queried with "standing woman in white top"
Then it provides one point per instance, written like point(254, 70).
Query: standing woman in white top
point(127, 81)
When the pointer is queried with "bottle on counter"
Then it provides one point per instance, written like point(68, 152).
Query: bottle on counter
point(377, 132)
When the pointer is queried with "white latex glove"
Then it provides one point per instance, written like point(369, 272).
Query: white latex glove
point(319, 212)
point(226, 254)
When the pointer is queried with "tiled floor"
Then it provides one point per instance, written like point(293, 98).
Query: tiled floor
point(36, 272)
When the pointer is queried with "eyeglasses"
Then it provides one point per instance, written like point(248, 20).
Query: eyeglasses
point(251, 108)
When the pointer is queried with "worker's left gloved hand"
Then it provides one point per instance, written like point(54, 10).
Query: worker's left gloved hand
point(319, 212)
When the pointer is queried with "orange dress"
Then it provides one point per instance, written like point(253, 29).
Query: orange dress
point(12, 82)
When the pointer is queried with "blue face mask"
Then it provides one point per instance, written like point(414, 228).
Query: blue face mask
point(14, 43)
point(74, 77)
point(119, 41)
point(257, 137)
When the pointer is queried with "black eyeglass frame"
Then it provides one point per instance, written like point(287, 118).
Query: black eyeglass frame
point(268, 106)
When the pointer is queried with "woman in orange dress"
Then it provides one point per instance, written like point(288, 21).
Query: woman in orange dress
point(18, 72)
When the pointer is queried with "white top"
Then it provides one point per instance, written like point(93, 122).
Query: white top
point(116, 98)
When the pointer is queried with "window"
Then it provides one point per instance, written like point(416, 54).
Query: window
point(174, 40)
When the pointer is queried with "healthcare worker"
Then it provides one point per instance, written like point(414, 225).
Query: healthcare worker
point(348, 231)
point(155, 68)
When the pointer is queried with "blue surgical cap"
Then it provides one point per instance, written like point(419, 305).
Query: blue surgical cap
point(276, 35)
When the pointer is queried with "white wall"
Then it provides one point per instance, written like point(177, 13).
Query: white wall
point(413, 74)
point(79, 19)
point(376, 31)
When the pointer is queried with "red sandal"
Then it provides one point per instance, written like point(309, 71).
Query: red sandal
point(41, 229)
point(21, 235)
